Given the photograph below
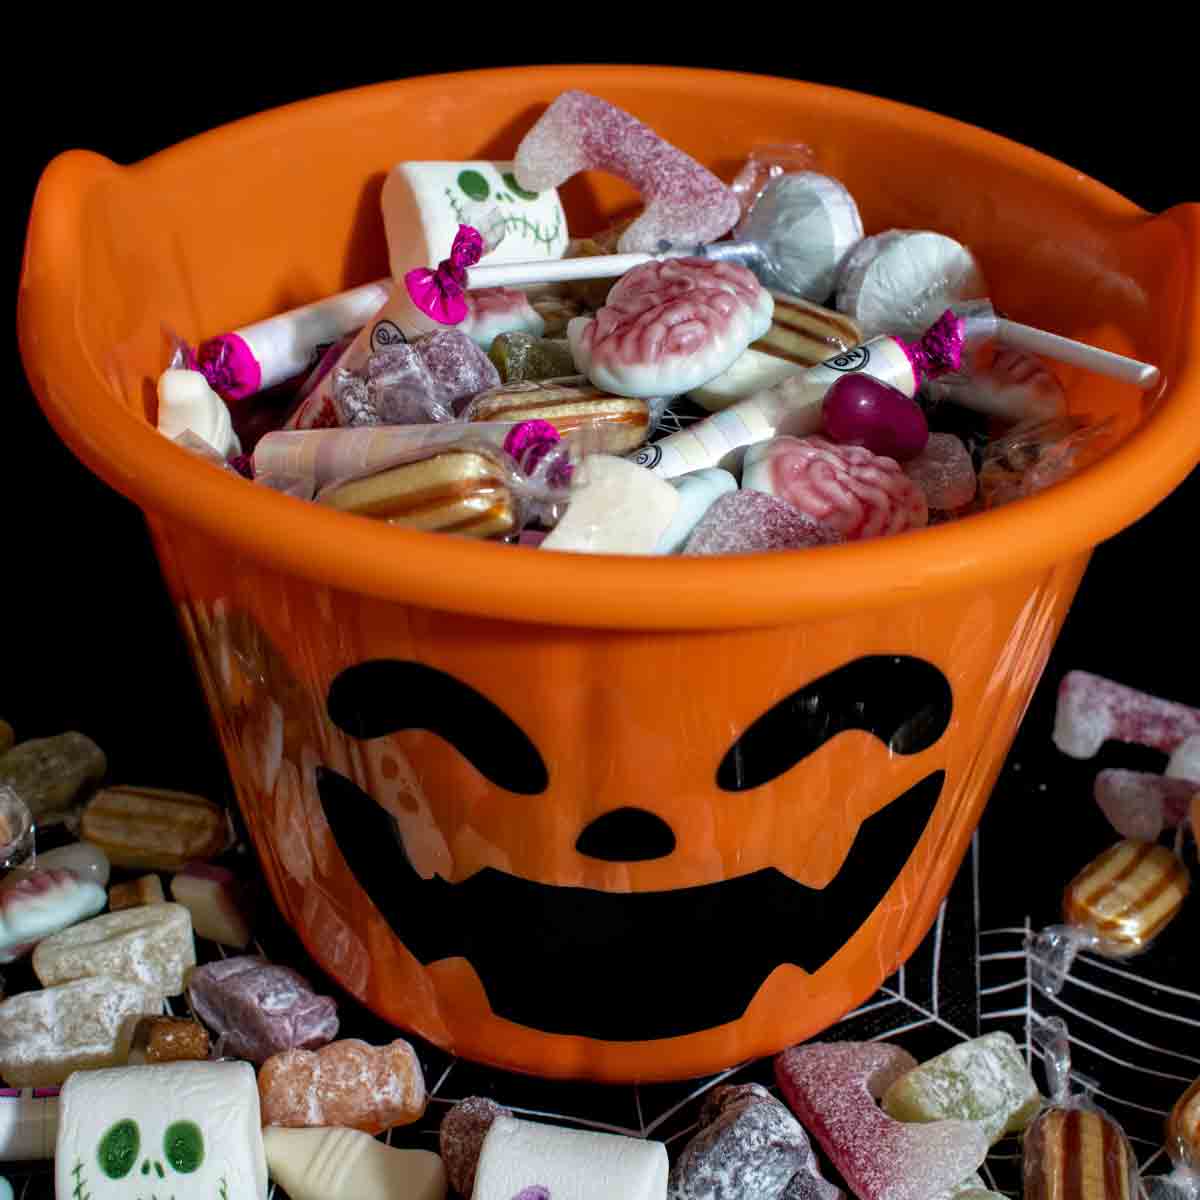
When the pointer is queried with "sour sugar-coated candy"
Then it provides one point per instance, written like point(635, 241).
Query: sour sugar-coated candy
point(154, 829)
point(747, 522)
point(944, 472)
point(685, 204)
point(984, 1080)
point(186, 1130)
point(147, 890)
point(16, 829)
point(845, 488)
point(1183, 1127)
point(899, 281)
point(326, 1164)
point(46, 1035)
point(169, 1039)
point(50, 774)
point(259, 1009)
point(1140, 805)
point(347, 1083)
point(833, 1087)
point(861, 411)
point(214, 898)
point(41, 904)
point(671, 326)
point(1077, 1153)
point(460, 1139)
point(525, 1160)
point(1092, 710)
point(151, 945)
point(521, 356)
point(749, 1147)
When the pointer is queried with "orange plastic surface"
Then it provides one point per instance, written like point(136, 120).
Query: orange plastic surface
point(632, 677)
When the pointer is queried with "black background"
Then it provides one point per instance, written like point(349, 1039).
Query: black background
point(87, 638)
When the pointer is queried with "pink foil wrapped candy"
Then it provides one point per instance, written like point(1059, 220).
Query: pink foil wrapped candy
point(1093, 710)
point(668, 327)
point(685, 204)
point(846, 488)
point(1139, 805)
point(746, 522)
point(460, 1139)
point(832, 1087)
point(944, 472)
point(260, 1009)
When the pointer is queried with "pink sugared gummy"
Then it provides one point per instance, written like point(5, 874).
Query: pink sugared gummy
point(668, 327)
point(1139, 805)
point(1093, 710)
point(746, 522)
point(944, 472)
point(685, 204)
point(847, 488)
point(832, 1087)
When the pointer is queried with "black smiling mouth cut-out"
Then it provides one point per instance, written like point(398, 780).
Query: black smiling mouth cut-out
point(643, 965)
point(623, 966)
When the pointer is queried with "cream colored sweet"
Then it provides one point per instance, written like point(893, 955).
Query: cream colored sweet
point(40, 905)
point(213, 897)
point(186, 402)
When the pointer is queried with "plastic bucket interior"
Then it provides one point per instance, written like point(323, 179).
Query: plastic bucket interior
point(780, 758)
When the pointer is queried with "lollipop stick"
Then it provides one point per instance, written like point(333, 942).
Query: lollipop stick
point(1078, 354)
point(561, 270)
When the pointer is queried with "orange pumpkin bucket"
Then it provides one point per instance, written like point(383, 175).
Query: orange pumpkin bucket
point(617, 818)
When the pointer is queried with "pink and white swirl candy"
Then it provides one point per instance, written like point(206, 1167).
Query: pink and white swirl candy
point(671, 326)
point(847, 488)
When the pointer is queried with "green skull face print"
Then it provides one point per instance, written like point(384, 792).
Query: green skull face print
point(182, 1131)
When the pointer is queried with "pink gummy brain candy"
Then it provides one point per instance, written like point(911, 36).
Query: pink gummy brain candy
point(847, 488)
point(833, 1088)
point(668, 327)
point(685, 204)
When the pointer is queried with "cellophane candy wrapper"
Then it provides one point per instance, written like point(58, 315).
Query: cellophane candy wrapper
point(1033, 456)
point(767, 162)
point(1073, 1141)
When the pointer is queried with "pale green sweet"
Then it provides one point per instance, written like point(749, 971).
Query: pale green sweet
point(984, 1080)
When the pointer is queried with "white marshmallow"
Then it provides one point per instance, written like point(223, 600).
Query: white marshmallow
point(570, 1164)
point(189, 1130)
point(425, 202)
point(616, 507)
point(698, 491)
point(185, 401)
point(318, 1164)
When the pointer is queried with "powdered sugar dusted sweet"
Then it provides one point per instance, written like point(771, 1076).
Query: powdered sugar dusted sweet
point(460, 1139)
point(1092, 710)
point(668, 327)
point(748, 521)
point(1140, 805)
point(685, 204)
point(944, 472)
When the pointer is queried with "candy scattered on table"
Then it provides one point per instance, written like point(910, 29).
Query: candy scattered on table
point(749, 522)
point(188, 1130)
point(257, 1009)
point(136, 892)
point(668, 327)
point(51, 774)
point(151, 945)
point(1077, 1152)
point(685, 204)
point(984, 1080)
point(567, 1164)
point(833, 1087)
point(46, 1035)
point(460, 1139)
point(1093, 710)
point(749, 1147)
point(324, 1164)
point(214, 898)
point(169, 1039)
point(154, 829)
point(1140, 805)
point(42, 904)
point(347, 1084)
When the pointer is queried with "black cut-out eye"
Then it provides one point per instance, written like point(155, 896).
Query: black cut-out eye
point(373, 699)
point(905, 702)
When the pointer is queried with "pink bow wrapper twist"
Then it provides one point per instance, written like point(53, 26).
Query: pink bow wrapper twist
point(440, 293)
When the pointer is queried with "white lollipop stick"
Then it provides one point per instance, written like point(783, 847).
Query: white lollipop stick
point(1077, 354)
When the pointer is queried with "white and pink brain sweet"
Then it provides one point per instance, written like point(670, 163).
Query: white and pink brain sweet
point(671, 326)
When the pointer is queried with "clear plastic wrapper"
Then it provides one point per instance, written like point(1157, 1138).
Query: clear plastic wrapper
point(767, 162)
point(1034, 456)
point(16, 829)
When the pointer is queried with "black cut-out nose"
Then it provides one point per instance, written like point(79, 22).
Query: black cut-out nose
point(387, 695)
point(627, 835)
point(905, 702)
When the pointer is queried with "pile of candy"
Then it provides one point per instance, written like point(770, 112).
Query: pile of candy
point(255, 1083)
point(855, 386)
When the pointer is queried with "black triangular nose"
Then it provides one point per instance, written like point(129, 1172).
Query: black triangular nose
point(627, 835)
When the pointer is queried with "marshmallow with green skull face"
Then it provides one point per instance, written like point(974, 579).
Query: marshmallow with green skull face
point(425, 202)
point(191, 1131)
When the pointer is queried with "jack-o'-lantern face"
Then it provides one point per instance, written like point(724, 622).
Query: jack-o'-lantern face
point(574, 954)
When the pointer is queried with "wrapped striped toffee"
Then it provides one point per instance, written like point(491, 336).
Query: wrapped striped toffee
point(1183, 1128)
point(1115, 906)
